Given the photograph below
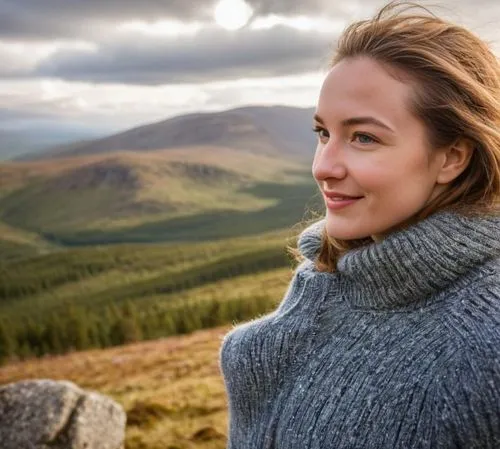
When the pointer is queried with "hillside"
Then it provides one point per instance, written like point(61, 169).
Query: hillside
point(169, 229)
point(104, 296)
point(98, 300)
point(170, 388)
point(169, 195)
point(270, 131)
point(16, 243)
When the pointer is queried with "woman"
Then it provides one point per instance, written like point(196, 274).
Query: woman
point(389, 333)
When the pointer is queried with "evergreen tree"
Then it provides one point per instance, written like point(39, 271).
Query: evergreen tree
point(7, 344)
point(32, 336)
point(125, 330)
point(76, 329)
point(103, 331)
point(54, 335)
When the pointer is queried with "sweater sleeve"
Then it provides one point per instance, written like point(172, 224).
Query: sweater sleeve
point(470, 413)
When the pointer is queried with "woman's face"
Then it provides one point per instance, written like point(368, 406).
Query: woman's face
point(372, 149)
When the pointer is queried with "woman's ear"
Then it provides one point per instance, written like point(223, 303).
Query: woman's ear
point(455, 160)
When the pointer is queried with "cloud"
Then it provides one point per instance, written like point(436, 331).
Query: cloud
point(115, 106)
point(208, 55)
point(49, 19)
point(60, 19)
point(13, 116)
point(114, 62)
point(312, 7)
point(63, 19)
point(148, 53)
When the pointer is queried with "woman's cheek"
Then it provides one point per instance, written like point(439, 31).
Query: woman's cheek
point(371, 174)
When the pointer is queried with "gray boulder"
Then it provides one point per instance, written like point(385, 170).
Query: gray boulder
point(45, 414)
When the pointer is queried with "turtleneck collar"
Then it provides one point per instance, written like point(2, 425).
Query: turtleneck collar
point(411, 264)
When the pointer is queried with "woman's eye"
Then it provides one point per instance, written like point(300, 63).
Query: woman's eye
point(321, 132)
point(364, 139)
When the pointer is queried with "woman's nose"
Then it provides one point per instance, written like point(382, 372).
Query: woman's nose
point(329, 161)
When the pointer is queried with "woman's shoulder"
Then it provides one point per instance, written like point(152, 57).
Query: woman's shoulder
point(475, 313)
point(484, 284)
point(298, 301)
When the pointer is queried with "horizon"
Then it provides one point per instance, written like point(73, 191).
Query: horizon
point(8, 156)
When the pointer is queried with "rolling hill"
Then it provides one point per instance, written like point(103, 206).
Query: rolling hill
point(191, 178)
point(270, 131)
point(164, 230)
point(169, 195)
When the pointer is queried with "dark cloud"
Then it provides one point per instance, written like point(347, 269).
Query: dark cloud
point(211, 54)
point(49, 19)
point(309, 7)
point(289, 7)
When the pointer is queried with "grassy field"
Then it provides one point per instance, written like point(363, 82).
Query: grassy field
point(122, 272)
point(17, 243)
point(288, 208)
point(148, 196)
point(171, 389)
point(102, 296)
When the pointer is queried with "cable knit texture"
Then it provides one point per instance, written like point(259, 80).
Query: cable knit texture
point(400, 348)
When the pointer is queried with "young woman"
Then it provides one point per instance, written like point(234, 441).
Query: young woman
point(389, 333)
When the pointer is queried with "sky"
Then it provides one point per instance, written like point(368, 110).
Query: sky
point(115, 64)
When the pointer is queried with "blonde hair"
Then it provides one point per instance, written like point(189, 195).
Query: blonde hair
point(456, 80)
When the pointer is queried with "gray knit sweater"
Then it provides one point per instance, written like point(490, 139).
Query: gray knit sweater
point(400, 348)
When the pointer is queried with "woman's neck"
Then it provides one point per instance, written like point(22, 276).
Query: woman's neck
point(414, 263)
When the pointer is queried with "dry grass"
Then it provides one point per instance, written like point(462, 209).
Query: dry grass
point(171, 388)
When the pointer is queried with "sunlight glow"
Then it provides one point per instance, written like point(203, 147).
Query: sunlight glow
point(232, 14)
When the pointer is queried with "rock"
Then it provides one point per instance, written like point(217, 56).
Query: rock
point(45, 414)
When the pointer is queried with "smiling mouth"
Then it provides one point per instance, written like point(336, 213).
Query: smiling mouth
point(337, 202)
point(343, 198)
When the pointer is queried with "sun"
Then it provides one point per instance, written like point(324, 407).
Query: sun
point(232, 14)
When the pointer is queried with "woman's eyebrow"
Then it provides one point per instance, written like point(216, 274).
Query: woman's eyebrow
point(358, 121)
point(318, 119)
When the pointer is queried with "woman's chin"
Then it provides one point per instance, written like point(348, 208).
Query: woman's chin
point(344, 228)
point(346, 234)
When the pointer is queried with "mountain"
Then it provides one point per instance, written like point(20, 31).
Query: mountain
point(196, 193)
point(271, 131)
point(191, 178)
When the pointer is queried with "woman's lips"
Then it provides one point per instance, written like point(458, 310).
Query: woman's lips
point(339, 201)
